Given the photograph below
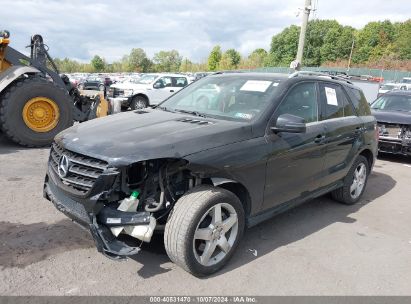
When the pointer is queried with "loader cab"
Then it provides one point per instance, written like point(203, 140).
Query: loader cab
point(4, 41)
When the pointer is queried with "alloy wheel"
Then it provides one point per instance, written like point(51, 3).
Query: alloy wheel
point(215, 234)
point(358, 183)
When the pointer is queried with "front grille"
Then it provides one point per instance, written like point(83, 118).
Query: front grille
point(114, 92)
point(83, 170)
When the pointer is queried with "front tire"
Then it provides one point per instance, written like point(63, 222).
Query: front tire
point(204, 229)
point(354, 183)
point(138, 103)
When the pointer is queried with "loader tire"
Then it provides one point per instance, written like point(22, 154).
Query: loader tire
point(33, 111)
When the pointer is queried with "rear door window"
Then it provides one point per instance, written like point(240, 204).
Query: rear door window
point(335, 102)
point(359, 101)
point(179, 82)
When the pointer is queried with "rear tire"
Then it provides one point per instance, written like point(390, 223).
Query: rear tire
point(195, 229)
point(13, 102)
point(354, 183)
point(138, 103)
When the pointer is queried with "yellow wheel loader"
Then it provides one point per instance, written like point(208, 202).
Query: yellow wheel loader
point(36, 102)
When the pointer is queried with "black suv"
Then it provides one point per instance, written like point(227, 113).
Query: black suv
point(226, 152)
point(96, 84)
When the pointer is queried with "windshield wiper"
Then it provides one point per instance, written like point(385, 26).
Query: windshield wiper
point(195, 113)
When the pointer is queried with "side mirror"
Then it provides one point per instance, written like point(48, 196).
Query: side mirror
point(289, 123)
point(158, 85)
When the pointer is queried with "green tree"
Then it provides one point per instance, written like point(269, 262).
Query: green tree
point(321, 42)
point(214, 58)
point(225, 63)
point(167, 61)
point(402, 43)
point(284, 47)
point(374, 41)
point(98, 63)
point(234, 57)
point(186, 66)
point(67, 65)
point(336, 43)
point(257, 58)
point(138, 61)
point(326, 40)
point(229, 60)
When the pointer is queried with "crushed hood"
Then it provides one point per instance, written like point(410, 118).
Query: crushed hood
point(148, 134)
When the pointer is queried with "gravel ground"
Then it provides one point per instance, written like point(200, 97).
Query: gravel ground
point(319, 248)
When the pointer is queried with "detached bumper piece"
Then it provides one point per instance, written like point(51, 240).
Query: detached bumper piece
point(99, 226)
point(108, 245)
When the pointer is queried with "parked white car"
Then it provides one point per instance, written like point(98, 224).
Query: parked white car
point(384, 88)
point(150, 89)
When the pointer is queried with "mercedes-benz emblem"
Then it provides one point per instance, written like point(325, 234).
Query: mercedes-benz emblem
point(63, 167)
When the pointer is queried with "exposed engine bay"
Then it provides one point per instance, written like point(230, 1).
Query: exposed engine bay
point(144, 196)
point(394, 138)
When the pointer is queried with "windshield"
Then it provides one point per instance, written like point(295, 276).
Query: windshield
point(147, 79)
point(393, 103)
point(227, 97)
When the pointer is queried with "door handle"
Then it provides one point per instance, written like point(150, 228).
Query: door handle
point(172, 91)
point(319, 139)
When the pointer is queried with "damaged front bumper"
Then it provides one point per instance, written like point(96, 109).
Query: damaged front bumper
point(394, 145)
point(91, 213)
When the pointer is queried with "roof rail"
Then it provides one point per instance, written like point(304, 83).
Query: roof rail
point(319, 74)
point(228, 72)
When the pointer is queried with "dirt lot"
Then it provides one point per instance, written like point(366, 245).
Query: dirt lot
point(316, 249)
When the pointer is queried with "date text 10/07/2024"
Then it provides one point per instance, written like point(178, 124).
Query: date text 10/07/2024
point(203, 299)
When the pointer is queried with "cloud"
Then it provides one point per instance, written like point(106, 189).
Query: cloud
point(80, 29)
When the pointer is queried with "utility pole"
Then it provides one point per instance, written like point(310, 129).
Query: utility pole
point(349, 59)
point(306, 13)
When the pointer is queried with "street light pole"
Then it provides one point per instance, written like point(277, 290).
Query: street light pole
point(306, 13)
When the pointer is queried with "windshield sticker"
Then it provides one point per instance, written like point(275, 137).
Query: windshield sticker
point(255, 85)
point(244, 115)
point(275, 84)
point(331, 96)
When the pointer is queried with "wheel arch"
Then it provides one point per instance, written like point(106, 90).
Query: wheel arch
point(142, 95)
point(367, 153)
point(237, 189)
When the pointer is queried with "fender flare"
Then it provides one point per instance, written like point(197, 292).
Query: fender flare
point(217, 181)
point(11, 74)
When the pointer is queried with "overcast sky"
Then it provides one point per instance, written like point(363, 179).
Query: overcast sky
point(80, 29)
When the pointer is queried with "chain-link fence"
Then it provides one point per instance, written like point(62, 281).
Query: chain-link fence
point(387, 75)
